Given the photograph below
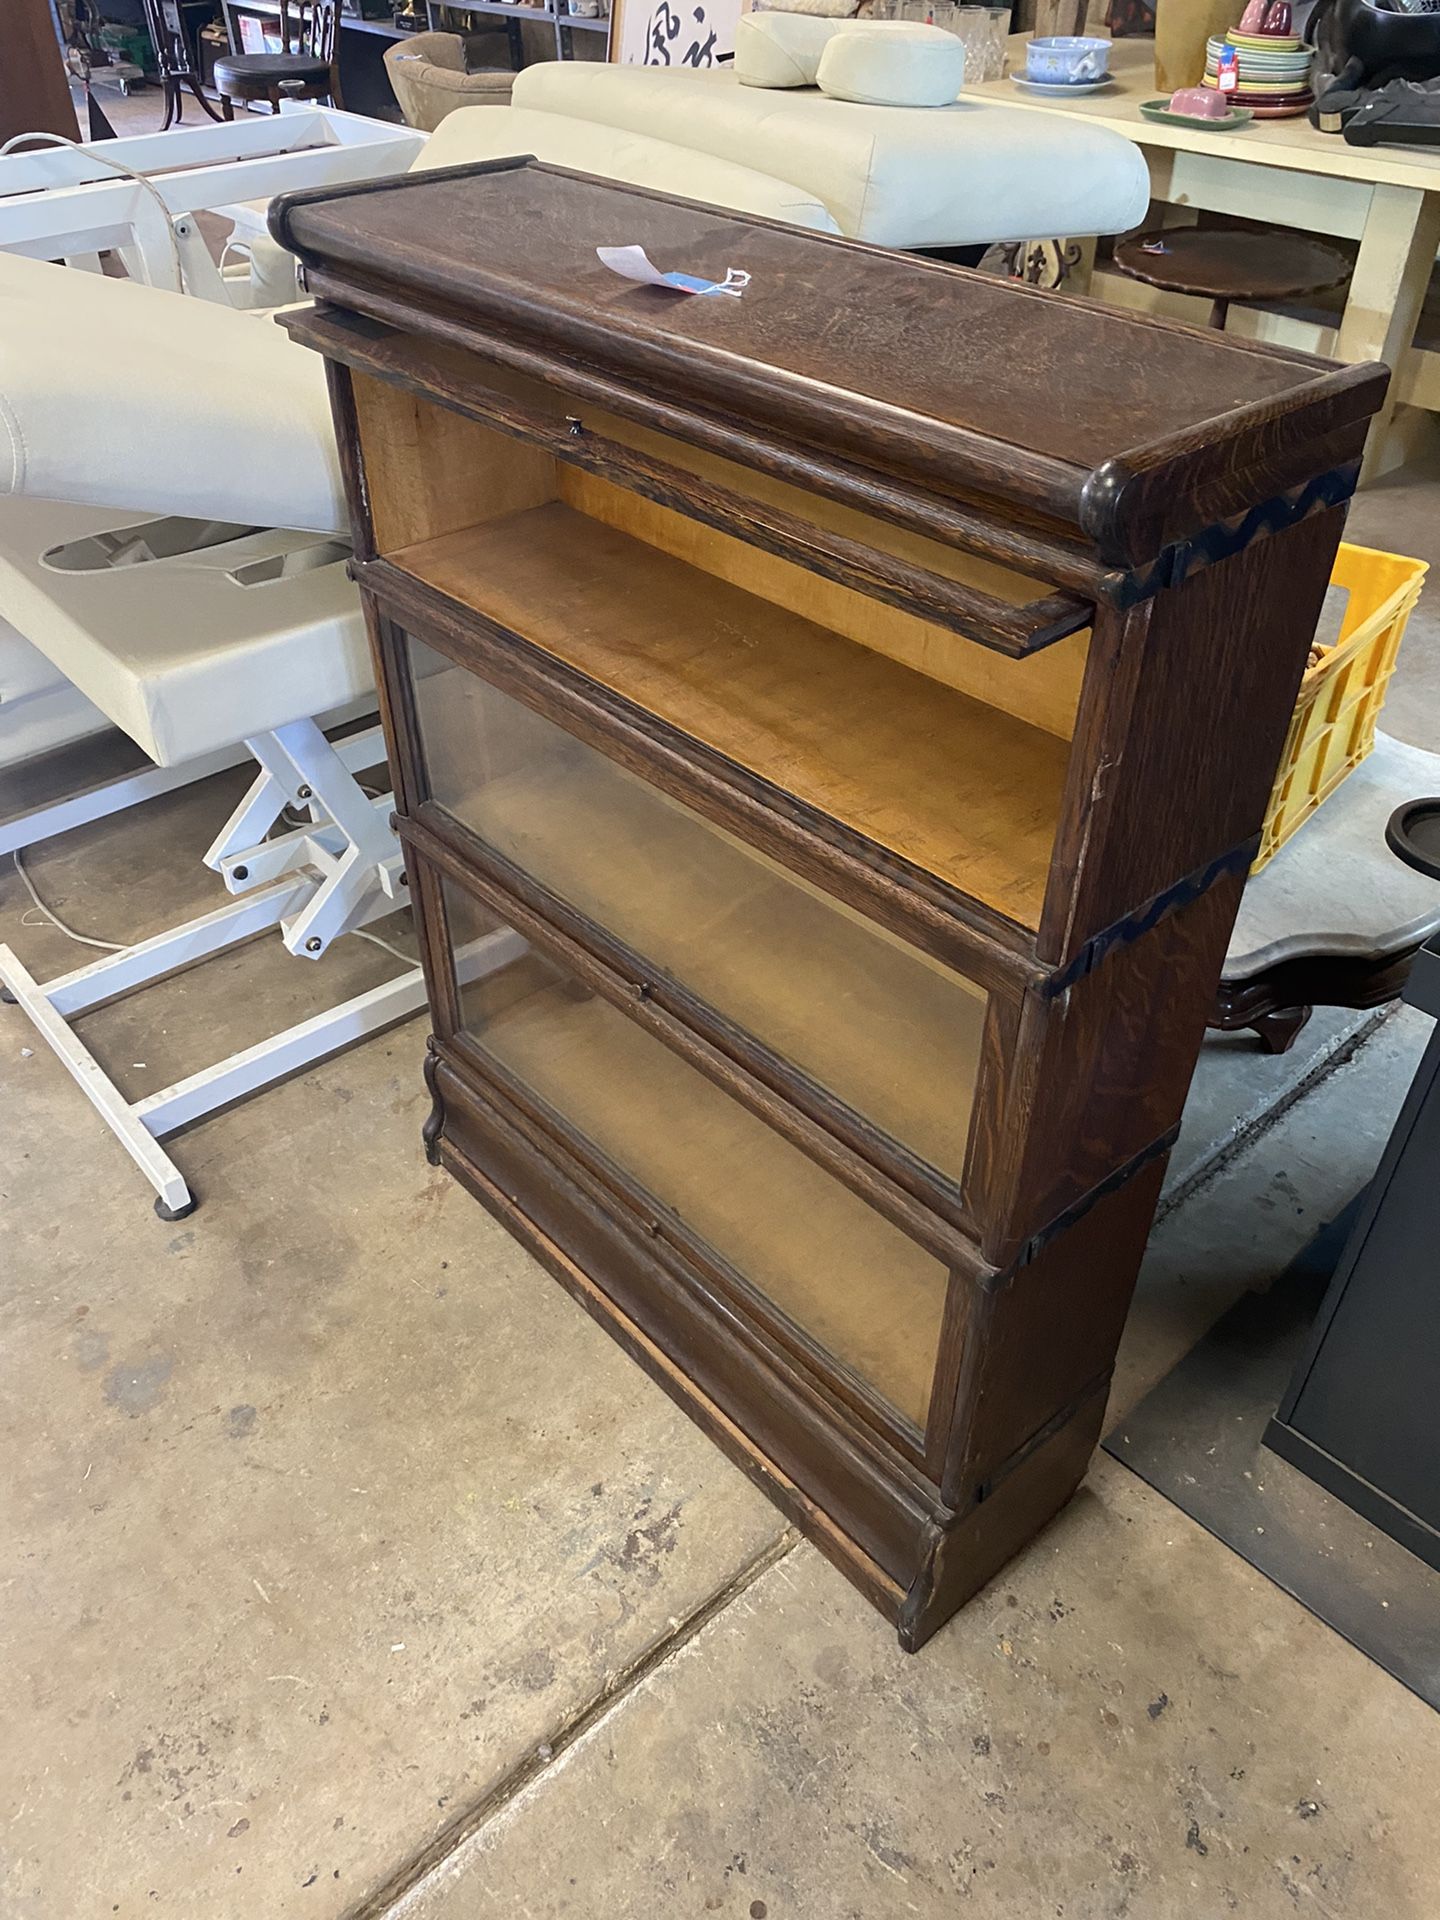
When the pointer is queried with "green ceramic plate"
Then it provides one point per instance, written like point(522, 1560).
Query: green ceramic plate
point(1160, 110)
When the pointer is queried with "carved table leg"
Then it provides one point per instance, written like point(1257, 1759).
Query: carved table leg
point(1277, 1003)
point(435, 1120)
point(1278, 1029)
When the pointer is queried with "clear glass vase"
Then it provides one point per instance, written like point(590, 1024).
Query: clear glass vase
point(984, 30)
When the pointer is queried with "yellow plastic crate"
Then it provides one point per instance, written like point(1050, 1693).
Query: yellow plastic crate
point(1341, 695)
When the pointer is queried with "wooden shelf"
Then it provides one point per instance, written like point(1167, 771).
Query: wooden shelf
point(514, 10)
point(893, 1034)
point(831, 1264)
point(959, 789)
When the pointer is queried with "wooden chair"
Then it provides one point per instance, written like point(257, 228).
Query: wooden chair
point(175, 58)
point(305, 70)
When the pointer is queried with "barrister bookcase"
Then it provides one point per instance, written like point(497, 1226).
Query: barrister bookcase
point(830, 731)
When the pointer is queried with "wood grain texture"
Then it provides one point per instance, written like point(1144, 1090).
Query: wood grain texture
point(988, 948)
point(918, 369)
point(1038, 683)
point(1037, 1338)
point(1099, 1073)
point(962, 1557)
point(428, 473)
point(962, 792)
point(517, 389)
point(591, 448)
point(1182, 720)
point(717, 555)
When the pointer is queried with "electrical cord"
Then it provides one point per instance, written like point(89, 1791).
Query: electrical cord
point(118, 946)
point(376, 941)
point(115, 166)
point(106, 946)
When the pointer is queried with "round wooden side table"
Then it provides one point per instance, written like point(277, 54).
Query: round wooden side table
point(1223, 264)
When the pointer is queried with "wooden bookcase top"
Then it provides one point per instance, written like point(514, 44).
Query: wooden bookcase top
point(1133, 431)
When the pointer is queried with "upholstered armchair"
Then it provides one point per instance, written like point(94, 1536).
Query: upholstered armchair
point(431, 77)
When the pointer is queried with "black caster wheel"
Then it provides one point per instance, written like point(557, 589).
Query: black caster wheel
point(8, 997)
point(162, 1212)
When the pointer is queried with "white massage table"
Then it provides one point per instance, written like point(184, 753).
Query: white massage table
point(141, 561)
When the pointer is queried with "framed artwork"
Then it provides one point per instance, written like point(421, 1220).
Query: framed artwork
point(674, 33)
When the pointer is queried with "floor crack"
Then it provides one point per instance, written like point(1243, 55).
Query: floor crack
point(1340, 1053)
point(388, 1900)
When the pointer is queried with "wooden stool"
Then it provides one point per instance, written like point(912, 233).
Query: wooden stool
point(305, 70)
point(1222, 264)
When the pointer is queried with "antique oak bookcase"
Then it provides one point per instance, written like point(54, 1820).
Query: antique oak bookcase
point(830, 730)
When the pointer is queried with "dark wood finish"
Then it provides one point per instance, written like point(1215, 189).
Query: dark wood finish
point(1225, 264)
point(571, 935)
point(976, 612)
point(175, 59)
point(352, 466)
point(468, 373)
point(34, 86)
point(989, 388)
point(1106, 1067)
point(646, 1005)
point(1181, 726)
point(1278, 1001)
point(306, 69)
point(1015, 631)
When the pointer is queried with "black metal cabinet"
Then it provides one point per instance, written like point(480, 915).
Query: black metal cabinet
point(1361, 1413)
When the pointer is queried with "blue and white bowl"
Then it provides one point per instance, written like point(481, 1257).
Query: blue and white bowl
point(1067, 60)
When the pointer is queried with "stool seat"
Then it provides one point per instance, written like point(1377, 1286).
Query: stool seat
point(1222, 264)
point(236, 71)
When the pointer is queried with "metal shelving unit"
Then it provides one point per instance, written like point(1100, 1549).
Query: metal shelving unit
point(515, 15)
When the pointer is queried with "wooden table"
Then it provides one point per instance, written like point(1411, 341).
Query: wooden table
point(1386, 198)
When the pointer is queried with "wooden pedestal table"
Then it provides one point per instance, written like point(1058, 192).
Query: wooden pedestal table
point(1286, 174)
point(1223, 265)
point(828, 759)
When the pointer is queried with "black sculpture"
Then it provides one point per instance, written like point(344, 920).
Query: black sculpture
point(1381, 59)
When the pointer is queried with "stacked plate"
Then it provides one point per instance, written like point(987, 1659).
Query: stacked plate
point(1274, 72)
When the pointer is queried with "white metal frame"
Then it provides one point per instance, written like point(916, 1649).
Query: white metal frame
point(109, 796)
point(336, 872)
point(64, 202)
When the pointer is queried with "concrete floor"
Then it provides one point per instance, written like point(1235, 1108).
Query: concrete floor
point(348, 1569)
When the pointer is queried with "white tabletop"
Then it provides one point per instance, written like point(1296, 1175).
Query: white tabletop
point(1268, 143)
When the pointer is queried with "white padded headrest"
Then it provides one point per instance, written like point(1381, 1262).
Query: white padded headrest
point(786, 49)
point(922, 68)
point(118, 394)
